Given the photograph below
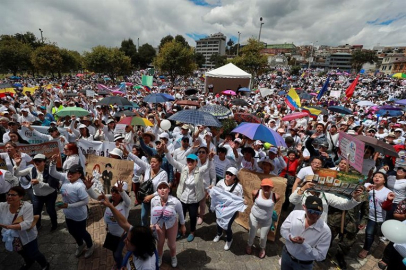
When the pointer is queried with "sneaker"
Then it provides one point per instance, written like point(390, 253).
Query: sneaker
point(159, 261)
point(228, 245)
point(199, 221)
point(217, 238)
point(174, 261)
point(79, 250)
point(89, 252)
point(190, 238)
point(178, 236)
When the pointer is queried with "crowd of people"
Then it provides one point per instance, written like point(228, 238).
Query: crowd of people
point(177, 170)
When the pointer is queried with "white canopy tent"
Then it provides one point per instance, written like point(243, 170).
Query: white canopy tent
point(227, 77)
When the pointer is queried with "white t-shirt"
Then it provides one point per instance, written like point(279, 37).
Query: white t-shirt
point(398, 187)
point(237, 190)
point(148, 264)
point(380, 196)
point(305, 172)
point(221, 166)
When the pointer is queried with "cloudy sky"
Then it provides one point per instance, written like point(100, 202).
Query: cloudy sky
point(82, 24)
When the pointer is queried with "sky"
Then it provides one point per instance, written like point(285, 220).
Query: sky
point(82, 24)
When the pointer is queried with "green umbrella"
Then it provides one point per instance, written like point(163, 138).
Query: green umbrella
point(138, 87)
point(76, 111)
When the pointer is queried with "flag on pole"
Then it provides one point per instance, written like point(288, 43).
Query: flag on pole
point(323, 89)
point(293, 99)
point(147, 80)
point(350, 90)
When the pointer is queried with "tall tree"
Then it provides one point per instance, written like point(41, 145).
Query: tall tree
point(360, 57)
point(129, 49)
point(15, 56)
point(251, 59)
point(71, 61)
point(47, 58)
point(175, 59)
point(182, 40)
point(29, 38)
point(164, 40)
point(218, 60)
point(146, 55)
point(200, 59)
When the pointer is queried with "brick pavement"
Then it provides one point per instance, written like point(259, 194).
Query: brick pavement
point(59, 248)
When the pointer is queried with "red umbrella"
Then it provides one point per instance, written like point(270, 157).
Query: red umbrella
point(246, 117)
point(294, 116)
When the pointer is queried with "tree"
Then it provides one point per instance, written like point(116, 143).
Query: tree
point(251, 59)
point(182, 40)
point(164, 40)
point(71, 61)
point(175, 59)
point(47, 58)
point(130, 50)
point(15, 56)
point(200, 59)
point(146, 55)
point(29, 38)
point(360, 57)
point(218, 60)
point(107, 60)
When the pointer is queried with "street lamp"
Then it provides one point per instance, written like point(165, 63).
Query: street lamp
point(138, 42)
point(42, 38)
point(260, 29)
point(238, 47)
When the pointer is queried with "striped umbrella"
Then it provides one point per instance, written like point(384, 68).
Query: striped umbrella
point(136, 121)
point(196, 117)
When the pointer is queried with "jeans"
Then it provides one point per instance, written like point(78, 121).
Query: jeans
point(192, 208)
point(31, 253)
point(78, 230)
point(145, 212)
point(288, 264)
point(370, 231)
point(229, 232)
point(118, 253)
point(49, 201)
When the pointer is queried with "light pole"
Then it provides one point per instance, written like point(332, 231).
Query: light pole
point(238, 47)
point(260, 29)
point(42, 38)
point(138, 42)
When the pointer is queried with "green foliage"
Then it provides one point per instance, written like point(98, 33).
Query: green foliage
point(47, 58)
point(360, 57)
point(176, 59)
point(29, 38)
point(200, 59)
point(295, 70)
point(15, 55)
point(146, 55)
point(182, 40)
point(251, 59)
point(218, 60)
point(71, 61)
point(129, 49)
point(165, 40)
point(228, 126)
point(107, 60)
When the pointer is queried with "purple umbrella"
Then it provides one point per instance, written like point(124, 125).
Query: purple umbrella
point(401, 102)
point(260, 132)
point(389, 108)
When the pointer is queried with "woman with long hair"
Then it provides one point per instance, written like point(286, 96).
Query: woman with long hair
point(16, 138)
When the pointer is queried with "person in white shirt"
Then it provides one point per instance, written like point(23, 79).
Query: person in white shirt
point(26, 116)
point(307, 236)
point(276, 157)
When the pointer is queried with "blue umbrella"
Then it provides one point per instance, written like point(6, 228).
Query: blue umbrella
point(244, 89)
point(260, 132)
point(15, 78)
point(196, 117)
point(390, 112)
point(170, 98)
point(281, 93)
point(157, 98)
point(340, 109)
point(389, 108)
point(162, 77)
point(17, 85)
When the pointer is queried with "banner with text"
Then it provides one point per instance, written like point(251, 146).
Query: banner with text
point(94, 148)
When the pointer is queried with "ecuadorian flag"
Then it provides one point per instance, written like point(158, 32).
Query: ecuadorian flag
point(292, 99)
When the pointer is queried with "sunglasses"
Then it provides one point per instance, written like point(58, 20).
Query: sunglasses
point(12, 194)
point(190, 160)
point(228, 173)
point(114, 190)
point(201, 152)
point(39, 161)
point(314, 212)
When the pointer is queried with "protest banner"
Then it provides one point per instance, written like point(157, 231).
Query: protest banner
point(30, 137)
point(252, 181)
point(335, 93)
point(94, 148)
point(90, 93)
point(109, 170)
point(352, 150)
point(47, 148)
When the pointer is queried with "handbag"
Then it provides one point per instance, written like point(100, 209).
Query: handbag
point(17, 244)
point(146, 188)
point(111, 242)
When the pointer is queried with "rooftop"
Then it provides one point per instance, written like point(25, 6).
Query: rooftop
point(281, 46)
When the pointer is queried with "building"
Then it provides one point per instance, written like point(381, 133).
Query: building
point(210, 45)
point(399, 66)
point(340, 61)
point(275, 49)
point(389, 61)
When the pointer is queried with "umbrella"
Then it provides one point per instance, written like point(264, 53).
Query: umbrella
point(340, 109)
point(389, 108)
point(220, 112)
point(15, 78)
point(136, 121)
point(116, 92)
point(246, 117)
point(260, 132)
point(401, 101)
point(120, 101)
point(265, 92)
point(294, 116)
point(80, 75)
point(399, 75)
point(305, 96)
point(191, 91)
point(389, 112)
point(229, 93)
point(17, 85)
point(138, 87)
point(170, 98)
point(187, 103)
point(101, 93)
point(193, 98)
point(125, 112)
point(378, 145)
point(281, 93)
point(365, 103)
point(313, 94)
point(196, 117)
point(239, 102)
point(244, 89)
point(76, 111)
point(156, 98)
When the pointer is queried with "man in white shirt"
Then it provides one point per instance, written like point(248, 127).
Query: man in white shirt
point(307, 236)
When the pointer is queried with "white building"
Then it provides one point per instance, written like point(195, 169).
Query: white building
point(388, 61)
point(210, 45)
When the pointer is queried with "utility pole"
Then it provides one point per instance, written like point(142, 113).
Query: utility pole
point(42, 38)
point(260, 29)
point(138, 42)
point(238, 47)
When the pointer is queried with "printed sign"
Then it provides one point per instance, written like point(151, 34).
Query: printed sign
point(352, 149)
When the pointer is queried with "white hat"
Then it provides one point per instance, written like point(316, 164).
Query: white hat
point(57, 100)
point(40, 113)
point(352, 132)
point(10, 178)
point(258, 142)
point(399, 129)
point(162, 183)
point(39, 156)
point(238, 140)
point(185, 126)
point(98, 106)
point(266, 160)
point(25, 110)
point(232, 170)
point(164, 135)
point(94, 100)
point(82, 126)
point(125, 186)
point(110, 121)
point(118, 136)
point(116, 152)
point(273, 150)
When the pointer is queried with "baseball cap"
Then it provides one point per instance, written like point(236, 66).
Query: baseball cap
point(164, 135)
point(267, 182)
point(191, 156)
point(258, 142)
point(238, 140)
point(232, 170)
point(39, 156)
point(163, 183)
point(76, 168)
point(314, 203)
point(110, 121)
point(273, 150)
point(82, 126)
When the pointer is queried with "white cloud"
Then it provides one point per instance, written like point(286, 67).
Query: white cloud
point(80, 25)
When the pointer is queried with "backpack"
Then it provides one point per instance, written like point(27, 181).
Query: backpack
point(146, 188)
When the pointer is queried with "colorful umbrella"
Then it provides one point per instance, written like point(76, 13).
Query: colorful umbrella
point(399, 75)
point(229, 93)
point(389, 108)
point(220, 112)
point(116, 92)
point(389, 113)
point(401, 102)
point(69, 111)
point(125, 112)
point(196, 117)
point(136, 121)
point(293, 116)
point(80, 75)
point(260, 132)
point(246, 117)
point(169, 97)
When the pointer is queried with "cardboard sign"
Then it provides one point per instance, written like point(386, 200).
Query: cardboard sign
point(109, 170)
point(90, 93)
point(352, 150)
point(252, 181)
